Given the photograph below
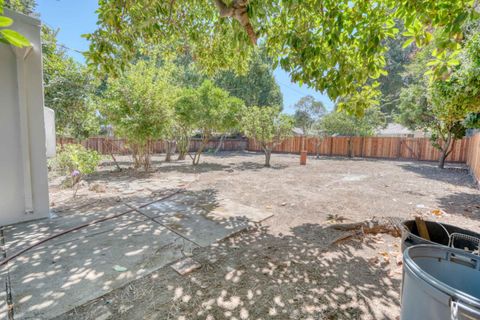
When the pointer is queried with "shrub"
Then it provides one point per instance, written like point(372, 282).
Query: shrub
point(75, 161)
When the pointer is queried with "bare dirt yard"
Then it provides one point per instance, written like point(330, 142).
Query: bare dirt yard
point(285, 267)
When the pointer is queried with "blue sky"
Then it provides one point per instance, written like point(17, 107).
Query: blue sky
point(77, 17)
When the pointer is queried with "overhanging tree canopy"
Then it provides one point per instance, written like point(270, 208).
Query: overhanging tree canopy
point(334, 46)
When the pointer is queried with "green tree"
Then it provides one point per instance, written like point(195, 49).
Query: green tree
point(139, 106)
point(397, 58)
point(257, 87)
point(68, 90)
point(343, 124)
point(185, 120)
point(267, 126)
point(442, 106)
point(308, 111)
point(26, 7)
point(208, 110)
point(334, 46)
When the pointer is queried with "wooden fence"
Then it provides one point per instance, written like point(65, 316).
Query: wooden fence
point(473, 157)
point(371, 147)
point(106, 145)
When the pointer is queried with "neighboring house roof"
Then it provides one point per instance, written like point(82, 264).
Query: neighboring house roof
point(297, 131)
point(395, 129)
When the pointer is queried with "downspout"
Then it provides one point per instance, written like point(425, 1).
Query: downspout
point(22, 55)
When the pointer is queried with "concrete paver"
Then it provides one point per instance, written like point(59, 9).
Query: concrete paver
point(77, 267)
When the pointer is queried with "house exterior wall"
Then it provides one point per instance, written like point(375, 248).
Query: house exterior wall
point(23, 167)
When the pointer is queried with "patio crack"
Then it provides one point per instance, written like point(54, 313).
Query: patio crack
point(163, 225)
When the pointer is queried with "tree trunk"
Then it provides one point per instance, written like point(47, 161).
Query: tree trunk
point(268, 154)
point(146, 157)
point(181, 155)
point(222, 138)
point(196, 158)
point(183, 145)
point(445, 151)
point(168, 150)
point(318, 143)
point(238, 9)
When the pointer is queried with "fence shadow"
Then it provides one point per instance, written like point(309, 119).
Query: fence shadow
point(259, 275)
point(456, 175)
point(256, 166)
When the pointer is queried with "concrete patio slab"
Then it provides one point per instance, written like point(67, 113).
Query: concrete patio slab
point(22, 235)
point(230, 209)
point(201, 228)
point(192, 215)
point(82, 265)
point(50, 281)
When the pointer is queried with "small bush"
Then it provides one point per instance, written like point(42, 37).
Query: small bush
point(75, 161)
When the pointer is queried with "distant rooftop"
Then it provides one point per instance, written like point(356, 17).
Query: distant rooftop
point(397, 130)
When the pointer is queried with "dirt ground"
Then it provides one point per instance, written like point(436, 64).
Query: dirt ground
point(284, 268)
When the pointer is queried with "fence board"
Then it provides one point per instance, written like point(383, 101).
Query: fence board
point(465, 150)
point(105, 145)
point(371, 147)
point(473, 156)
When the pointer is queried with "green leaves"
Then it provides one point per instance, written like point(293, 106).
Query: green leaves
point(75, 157)
point(5, 21)
point(9, 36)
point(139, 104)
point(14, 38)
point(266, 125)
point(333, 46)
point(341, 123)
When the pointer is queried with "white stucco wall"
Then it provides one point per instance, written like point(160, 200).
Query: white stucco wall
point(50, 137)
point(23, 167)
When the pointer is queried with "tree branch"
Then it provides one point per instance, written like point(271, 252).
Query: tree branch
point(238, 11)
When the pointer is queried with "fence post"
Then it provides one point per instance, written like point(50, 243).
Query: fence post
point(362, 146)
point(399, 149)
point(420, 149)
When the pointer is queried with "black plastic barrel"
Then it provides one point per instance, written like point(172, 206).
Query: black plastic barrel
point(439, 235)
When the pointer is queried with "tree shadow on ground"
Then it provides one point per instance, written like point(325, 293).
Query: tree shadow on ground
point(462, 203)
point(343, 158)
point(456, 175)
point(80, 265)
point(129, 174)
point(202, 167)
point(256, 166)
point(257, 275)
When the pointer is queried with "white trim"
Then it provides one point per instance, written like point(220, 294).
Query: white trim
point(21, 55)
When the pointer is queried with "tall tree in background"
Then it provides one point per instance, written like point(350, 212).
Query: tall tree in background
point(308, 111)
point(26, 7)
point(343, 124)
point(68, 89)
point(442, 106)
point(397, 58)
point(257, 87)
